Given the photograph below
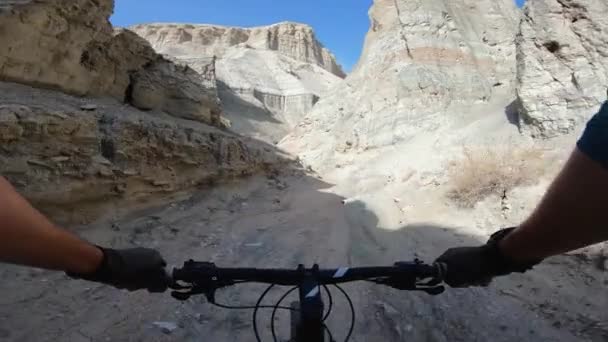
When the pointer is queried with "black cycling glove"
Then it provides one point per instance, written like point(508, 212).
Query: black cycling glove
point(131, 269)
point(476, 266)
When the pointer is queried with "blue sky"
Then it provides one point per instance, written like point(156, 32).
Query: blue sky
point(340, 25)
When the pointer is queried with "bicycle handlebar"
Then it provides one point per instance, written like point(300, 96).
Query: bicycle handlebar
point(205, 277)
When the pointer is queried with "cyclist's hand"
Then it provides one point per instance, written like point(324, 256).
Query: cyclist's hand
point(131, 269)
point(477, 266)
point(467, 266)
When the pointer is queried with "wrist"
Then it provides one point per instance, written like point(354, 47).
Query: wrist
point(514, 246)
point(507, 248)
point(90, 261)
point(504, 243)
point(94, 260)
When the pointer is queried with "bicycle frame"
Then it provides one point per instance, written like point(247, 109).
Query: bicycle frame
point(310, 328)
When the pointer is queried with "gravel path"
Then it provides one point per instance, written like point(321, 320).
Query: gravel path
point(281, 223)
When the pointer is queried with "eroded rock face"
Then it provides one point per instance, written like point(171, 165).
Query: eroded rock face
point(420, 59)
point(66, 154)
point(71, 46)
point(444, 51)
point(295, 40)
point(175, 88)
point(268, 77)
point(562, 62)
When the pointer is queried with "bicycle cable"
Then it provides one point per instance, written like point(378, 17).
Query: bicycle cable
point(274, 312)
point(223, 306)
point(331, 337)
point(287, 293)
point(255, 312)
point(277, 307)
point(352, 312)
point(331, 303)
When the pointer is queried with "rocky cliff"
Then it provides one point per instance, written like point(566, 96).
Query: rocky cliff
point(78, 157)
point(79, 154)
point(269, 77)
point(71, 46)
point(420, 59)
point(295, 40)
point(562, 64)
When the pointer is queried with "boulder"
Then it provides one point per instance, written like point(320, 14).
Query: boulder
point(174, 88)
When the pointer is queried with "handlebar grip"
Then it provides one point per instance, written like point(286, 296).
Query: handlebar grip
point(177, 274)
point(421, 270)
point(441, 270)
point(194, 270)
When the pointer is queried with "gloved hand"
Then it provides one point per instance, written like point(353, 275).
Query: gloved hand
point(131, 269)
point(477, 266)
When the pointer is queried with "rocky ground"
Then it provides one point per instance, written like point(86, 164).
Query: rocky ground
point(281, 222)
point(419, 149)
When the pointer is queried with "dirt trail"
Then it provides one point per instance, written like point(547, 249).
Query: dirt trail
point(281, 223)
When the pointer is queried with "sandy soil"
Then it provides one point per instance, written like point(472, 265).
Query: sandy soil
point(282, 222)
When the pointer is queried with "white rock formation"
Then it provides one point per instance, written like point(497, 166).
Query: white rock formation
point(562, 64)
point(71, 46)
point(421, 59)
point(295, 40)
point(268, 77)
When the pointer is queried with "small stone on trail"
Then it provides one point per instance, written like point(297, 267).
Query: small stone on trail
point(348, 200)
point(166, 327)
point(88, 107)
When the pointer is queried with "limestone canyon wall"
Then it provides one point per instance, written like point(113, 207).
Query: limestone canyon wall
point(71, 46)
point(269, 77)
point(420, 58)
point(67, 139)
point(295, 40)
point(562, 64)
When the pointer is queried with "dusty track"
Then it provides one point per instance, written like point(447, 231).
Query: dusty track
point(254, 223)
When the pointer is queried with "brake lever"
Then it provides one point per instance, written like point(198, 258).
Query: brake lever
point(206, 285)
point(425, 287)
point(432, 286)
point(433, 291)
point(195, 290)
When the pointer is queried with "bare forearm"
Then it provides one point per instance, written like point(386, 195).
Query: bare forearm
point(28, 238)
point(573, 214)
